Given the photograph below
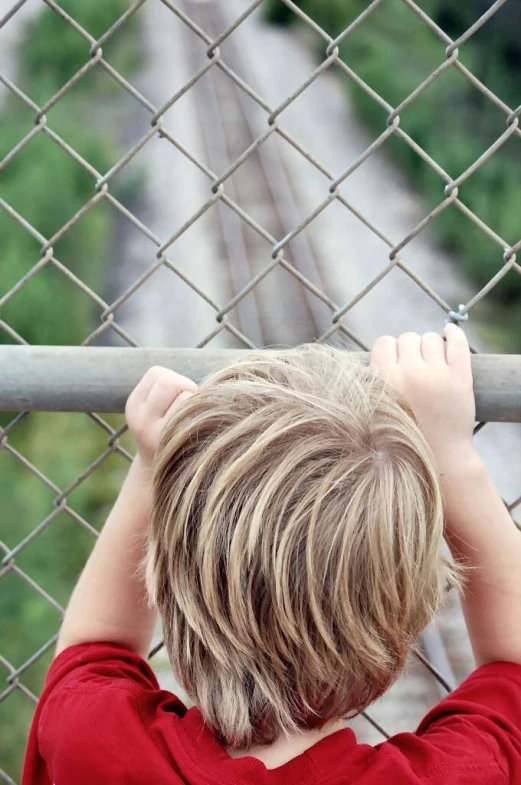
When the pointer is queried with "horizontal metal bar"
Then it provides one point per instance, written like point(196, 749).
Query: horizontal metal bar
point(91, 379)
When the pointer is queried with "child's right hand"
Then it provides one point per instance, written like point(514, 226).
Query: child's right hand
point(151, 404)
point(434, 376)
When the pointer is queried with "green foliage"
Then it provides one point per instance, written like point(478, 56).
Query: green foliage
point(393, 51)
point(279, 14)
point(56, 51)
point(47, 187)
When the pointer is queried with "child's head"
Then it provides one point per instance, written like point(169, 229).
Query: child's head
point(295, 542)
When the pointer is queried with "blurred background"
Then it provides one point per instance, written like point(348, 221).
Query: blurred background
point(116, 231)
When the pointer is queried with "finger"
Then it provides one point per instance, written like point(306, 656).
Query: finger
point(384, 353)
point(409, 349)
point(143, 387)
point(433, 349)
point(457, 349)
point(179, 401)
point(166, 376)
point(166, 388)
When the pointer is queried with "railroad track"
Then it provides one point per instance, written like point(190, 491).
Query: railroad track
point(279, 308)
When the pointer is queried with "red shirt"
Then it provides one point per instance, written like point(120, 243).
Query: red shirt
point(103, 720)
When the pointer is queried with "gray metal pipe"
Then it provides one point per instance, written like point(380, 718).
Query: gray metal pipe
point(91, 379)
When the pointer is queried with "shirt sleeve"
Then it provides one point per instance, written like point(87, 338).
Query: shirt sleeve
point(94, 663)
point(480, 721)
point(98, 689)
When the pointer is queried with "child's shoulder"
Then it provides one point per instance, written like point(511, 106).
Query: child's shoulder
point(95, 715)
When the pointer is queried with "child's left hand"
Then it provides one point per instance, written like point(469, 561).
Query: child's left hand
point(151, 404)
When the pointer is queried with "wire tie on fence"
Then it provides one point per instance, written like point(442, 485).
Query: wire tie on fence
point(6, 568)
point(107, 317)
point(393, 119)
point(213, 54)
point(336, 315)
point(452, 51)
point(513, 120)
point(102, 184)
point(96, 50)
point(7, 561)
point(514, 115)
point(47, 252)
point(333, 51)
point(509, 254)
point(272, 118)
point(451, 190)
point(212, 50)
point(157, 122)
point(457, 316)
point(219, 316)
point(332, 48)
point(61, 500)
point(113, 441)
point(217, 190)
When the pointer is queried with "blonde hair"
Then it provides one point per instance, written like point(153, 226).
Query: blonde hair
point(294, 550)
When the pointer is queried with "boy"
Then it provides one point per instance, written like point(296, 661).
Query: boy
point(296, 510)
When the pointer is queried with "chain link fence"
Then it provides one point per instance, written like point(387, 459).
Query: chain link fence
point(257, 229)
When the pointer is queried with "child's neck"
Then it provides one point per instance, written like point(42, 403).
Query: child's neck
point(285, 748)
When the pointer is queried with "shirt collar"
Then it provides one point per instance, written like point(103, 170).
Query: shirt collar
point(204, 756)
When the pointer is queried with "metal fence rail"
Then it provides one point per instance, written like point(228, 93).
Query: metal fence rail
point(63, 379)
point(97, 379)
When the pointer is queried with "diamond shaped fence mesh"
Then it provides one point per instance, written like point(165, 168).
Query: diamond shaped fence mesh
point(187, 175)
